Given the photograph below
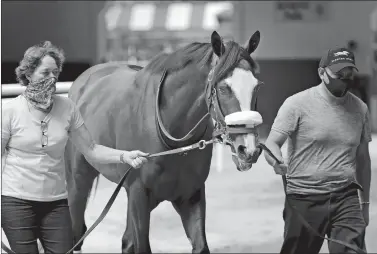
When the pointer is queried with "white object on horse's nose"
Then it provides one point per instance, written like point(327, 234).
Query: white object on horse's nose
point(249, 118)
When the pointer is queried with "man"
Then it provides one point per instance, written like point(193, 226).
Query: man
point(328, 131)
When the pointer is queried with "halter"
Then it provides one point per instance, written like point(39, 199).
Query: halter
point(222, 129)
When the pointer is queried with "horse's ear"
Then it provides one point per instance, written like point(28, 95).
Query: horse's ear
point(253, 42)
point(217, 44)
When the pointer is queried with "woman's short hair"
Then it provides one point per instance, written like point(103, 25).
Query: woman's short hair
point(33, 57)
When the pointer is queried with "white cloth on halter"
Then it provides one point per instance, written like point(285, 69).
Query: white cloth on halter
point(249, 118)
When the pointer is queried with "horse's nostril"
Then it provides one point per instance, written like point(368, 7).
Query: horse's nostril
point(242, 150)
point(244, 154)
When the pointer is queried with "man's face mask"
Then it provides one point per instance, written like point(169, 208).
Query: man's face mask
point(341, 83)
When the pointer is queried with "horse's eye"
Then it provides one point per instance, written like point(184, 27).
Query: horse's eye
point(223, 89)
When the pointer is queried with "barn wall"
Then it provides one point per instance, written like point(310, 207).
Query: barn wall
point(68, 24)
point(348, 20)
point(289, 52)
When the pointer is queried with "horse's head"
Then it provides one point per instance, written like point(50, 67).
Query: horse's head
point(231, 92)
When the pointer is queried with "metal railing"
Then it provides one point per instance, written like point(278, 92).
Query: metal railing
point(10, 91)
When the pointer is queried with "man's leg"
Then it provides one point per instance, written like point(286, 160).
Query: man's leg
point(297, 238)
point(347, 221)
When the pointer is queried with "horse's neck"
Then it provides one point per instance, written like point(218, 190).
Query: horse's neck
point(184, 105)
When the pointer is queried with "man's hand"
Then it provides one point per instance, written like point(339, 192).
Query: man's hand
point(365, 211)
point(363, 176)
point(135, 158)
point(280, 169)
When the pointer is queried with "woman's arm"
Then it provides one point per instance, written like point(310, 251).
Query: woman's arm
point(82, 139)
point(5, 127)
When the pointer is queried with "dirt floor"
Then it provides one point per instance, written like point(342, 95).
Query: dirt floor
point(244, 213)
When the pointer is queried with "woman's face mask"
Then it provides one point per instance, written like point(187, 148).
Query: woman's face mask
point(39, 93)
point(46, 85)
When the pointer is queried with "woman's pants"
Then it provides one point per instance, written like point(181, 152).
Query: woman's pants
point(24, 221)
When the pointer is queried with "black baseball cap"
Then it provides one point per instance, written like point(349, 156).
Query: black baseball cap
point(337, 59)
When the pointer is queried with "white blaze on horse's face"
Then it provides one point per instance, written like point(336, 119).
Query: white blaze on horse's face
point(244, 86)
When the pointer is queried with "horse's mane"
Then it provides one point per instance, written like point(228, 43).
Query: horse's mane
point(196, 53)
point(199, 54)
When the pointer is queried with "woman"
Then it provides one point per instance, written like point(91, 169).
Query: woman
point(35, 128)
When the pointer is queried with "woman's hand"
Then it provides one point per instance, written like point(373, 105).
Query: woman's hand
point(134, 158)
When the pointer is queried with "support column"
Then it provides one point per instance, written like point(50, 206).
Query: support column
point(373, 66)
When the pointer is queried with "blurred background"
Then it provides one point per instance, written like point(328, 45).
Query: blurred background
point(244, 210)
point(294, 35)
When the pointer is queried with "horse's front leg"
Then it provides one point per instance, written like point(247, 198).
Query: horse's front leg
point(79, 185)
point(193, 214)
point(136, 237)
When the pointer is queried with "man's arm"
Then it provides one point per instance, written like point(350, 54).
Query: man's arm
point(274, 142)
point(363, 164)
point(363, 170)
point(285, 124)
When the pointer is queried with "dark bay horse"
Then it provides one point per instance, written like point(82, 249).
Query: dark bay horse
point(118, 104)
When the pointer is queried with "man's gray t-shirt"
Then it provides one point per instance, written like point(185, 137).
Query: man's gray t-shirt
point(324, 133)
